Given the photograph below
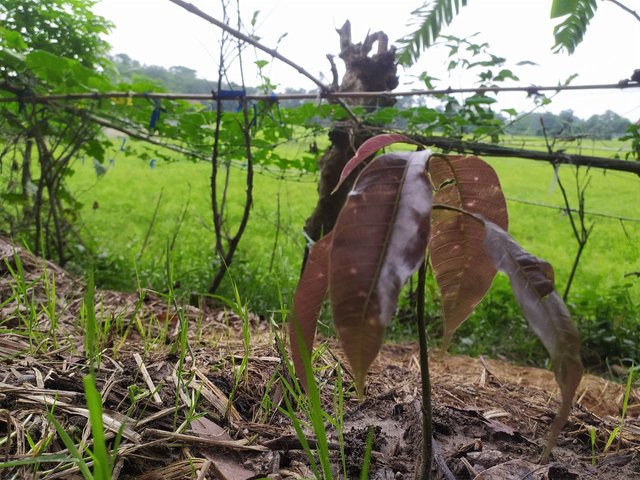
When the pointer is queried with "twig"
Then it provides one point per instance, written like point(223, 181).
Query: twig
point(179, 223)
point(204, 470)
point(245, 38)
point(324, 90)
point(490, 150)
point(215, 208)
point(203, 441)
point(582, 235)
point(472, 471)
point(8, 419)
point(633, 13)
point(232, 244)
point(442, 465)
point(291, 442)
point(138, 136)
point(427, 439)
point(147, 378)
point(334, 72)
point(151, 224)
point(278, 228)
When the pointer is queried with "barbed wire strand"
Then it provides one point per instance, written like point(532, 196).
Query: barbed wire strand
point(278, 175)
point(530, 90)
point(564, 209)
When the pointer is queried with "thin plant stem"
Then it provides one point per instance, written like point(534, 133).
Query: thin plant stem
point(581, 235)
point(151, 225)
point(324, 89)
point(277, 235)
point(233, 241)
point(427, 441)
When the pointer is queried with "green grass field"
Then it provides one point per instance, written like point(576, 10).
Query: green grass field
point(267, 263)
point(267, 260)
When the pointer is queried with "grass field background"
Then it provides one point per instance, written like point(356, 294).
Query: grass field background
point(119, 206)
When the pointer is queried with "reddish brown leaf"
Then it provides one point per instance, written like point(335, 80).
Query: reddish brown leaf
point(379, 241)
point(462, 268)
point(368, 148)
point(532, 283)
point(311, 291)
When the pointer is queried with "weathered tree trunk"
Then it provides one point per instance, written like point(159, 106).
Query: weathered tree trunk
point(363, 73)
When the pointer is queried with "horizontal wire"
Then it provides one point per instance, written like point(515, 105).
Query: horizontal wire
point(564, 209)
point(241, 94)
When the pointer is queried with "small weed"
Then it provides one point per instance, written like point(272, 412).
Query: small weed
point(89, 323)
point(183, 339)
point(99, 457)
point(618, 431)
point(364, 474)
point(313, 409)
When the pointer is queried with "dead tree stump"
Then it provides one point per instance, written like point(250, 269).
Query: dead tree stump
point(364, 73)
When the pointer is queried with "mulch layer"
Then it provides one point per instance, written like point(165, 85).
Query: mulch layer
point(218, 411)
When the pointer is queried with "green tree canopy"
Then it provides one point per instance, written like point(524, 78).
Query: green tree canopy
point(65, 28)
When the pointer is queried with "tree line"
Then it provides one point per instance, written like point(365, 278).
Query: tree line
point(607, 125)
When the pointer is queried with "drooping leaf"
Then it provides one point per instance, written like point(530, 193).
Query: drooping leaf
point(429, 19)
point(532, 283)
point(462, 268)
point(570, 32)
point(368, 148)
point(560, 8)
point(311, 291)
point(379, 241)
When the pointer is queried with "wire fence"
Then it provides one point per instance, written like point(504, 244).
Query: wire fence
point(573, 210)
point(235, 95)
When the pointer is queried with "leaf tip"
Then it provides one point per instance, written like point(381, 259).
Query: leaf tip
point(359, 382)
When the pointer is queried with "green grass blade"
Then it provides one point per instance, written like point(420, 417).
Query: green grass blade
point(91, 322)
point(24, 462)
point(315, 409)
point(366, 462)
point(627, 392)
point(75, 453)
point(611, 438)
point(102, 468)
point(301, 436)
point(339, 393)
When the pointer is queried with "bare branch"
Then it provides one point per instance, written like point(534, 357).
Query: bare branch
point(487, 149)
point(626, 9)
point(324, 89)
point(138, 136)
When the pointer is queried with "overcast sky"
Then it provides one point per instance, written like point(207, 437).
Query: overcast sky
point(161, 33)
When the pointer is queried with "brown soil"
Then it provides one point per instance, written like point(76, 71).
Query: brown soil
point(490, 417)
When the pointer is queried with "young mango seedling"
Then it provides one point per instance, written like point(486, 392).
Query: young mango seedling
point(403, 207)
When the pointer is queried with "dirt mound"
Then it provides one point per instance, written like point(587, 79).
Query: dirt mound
point(214, 407)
